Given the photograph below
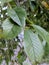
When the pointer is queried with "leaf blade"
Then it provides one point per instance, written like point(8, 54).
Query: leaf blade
point(21, 14)
point(42, 32)
point(10, 30)
point(33, 47)
point(13, 15)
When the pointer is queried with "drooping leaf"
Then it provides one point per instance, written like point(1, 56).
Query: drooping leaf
point(13, 15)
point(10, 30)
point(21, 14)
point(33, 46)
point(45, 35)
point(42, 32)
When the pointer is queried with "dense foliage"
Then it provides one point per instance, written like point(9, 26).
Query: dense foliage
point(24, 32)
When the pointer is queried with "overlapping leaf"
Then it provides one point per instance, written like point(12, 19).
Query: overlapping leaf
point(13, 15)
point(33, 46)
point(42, 32)
point(21, 14)
point(10, 30)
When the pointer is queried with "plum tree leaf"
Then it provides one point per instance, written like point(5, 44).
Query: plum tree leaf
point(42, 32)
point(10, 30)
point(13, 15)
point(33, 46)
point(21, 14)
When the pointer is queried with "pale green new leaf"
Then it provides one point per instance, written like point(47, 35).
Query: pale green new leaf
point(10, 30)
point(42, 32)
point(33, 46)
point(13, 15)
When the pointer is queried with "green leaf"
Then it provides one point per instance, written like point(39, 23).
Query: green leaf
point(42, 32)
point(21, 14)
point(5, 1)
point(33, 5)
point(13, 15)
point(33, 46)
point(10, 30)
